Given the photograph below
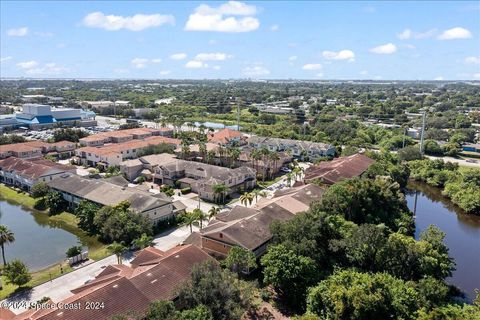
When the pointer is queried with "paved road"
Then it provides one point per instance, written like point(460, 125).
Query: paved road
point(59, 288)
point(461, 162)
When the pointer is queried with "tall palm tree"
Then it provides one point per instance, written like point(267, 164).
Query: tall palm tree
point(6, 237)
point(245, 198)
point(117, 249)
point(189, 218)
point(220, 189)
point(289, 179)
point(256, 193)
point(212, 213)
point(234, 154)
point(210, 156)
point(202, 149)
point(274, 158)
point(200, 215)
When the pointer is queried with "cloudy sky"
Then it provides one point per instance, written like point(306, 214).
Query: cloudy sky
point(267, 40)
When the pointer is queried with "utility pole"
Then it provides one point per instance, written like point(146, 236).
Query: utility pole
point(422, 136)
point(238, 116)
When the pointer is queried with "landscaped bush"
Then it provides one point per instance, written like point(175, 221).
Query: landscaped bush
point(74, 251)
point(186, 190)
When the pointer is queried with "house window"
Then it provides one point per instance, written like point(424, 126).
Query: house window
point(221, 236)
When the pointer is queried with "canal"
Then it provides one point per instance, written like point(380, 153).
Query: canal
point(38, 242)
point(462, 232)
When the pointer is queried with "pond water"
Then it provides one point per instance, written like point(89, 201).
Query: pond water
point(462, 232)
point(216, 125)
point(38, 242)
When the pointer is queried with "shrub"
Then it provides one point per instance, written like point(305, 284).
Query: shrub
point(186, 190)
point(74, 251)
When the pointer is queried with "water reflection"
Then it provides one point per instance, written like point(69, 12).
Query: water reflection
point(462, 232)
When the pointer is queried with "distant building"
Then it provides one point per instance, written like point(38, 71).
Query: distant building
point(118, 136)
point(165, 101)
point(38, 116)
point(330, 172)
point(414, 133)
point(471, 147)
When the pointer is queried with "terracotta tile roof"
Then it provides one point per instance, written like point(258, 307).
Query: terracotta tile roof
point(147, 256)
point(132, 292)
point(224, 135)
point(33, 169)
point(341, 168)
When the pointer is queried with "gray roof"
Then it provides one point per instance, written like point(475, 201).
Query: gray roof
point(288, 143)
point(108, 194)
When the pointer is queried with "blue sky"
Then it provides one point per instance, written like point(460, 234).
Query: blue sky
point(268, 40)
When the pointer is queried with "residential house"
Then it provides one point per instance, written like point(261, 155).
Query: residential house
point(157, 207)
point(120, 136)
point(24, 173)
point(227, 136)
point(202, 177)
point(113, 154)
point(249, 228)
point(119, 289)
point(330, 172)
point(35, 149)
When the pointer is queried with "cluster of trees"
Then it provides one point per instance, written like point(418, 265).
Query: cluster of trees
point(112, 223)
point(11, 138)
point(69, 134)
point(15, 271)
point(461, 185)
point(353, 256)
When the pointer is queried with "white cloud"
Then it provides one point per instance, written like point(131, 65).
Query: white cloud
point(388, 48)
point(339, 55)
point(439, 78)
point(222, 18)
point(4, 59)
point(455, 33)
point(364, 72)
point(409, 34)
point(255, 71)
point(216, 56)
point(139, 63)
point(217, 67)
point(409, 46)
point(405, 34)
point(178, 56)
point(43, 34)
point(27, 64)
point(274, 27)
point(164, 72)
point(293, 58)
point(476, 75)
point(312, 66)
point(194, 64)
point(320, 75)
point(34, 68)
point(136, 22)
point(18, 32)
point(472, 60)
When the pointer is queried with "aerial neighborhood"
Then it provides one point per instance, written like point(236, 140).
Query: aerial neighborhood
point(164, 198)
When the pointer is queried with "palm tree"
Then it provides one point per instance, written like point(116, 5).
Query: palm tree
point(245, 198)
point(189, 218)
point(144, 241)
point(210, 156)
point(274, 157)
point(6, 237)
point(117, 249)
point(289, 179)
point(220, 189)
point(200, 215)
point(256, 193)
point(234, 154)
point(213, 212)
point(202, 149)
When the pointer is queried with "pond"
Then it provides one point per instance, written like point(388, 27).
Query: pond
point(38, 242)
point(216, 125)
point(462, 232)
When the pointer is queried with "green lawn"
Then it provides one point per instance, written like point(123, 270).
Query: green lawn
point(66, 221)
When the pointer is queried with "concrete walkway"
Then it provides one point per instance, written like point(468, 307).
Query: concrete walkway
point(59, 288)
